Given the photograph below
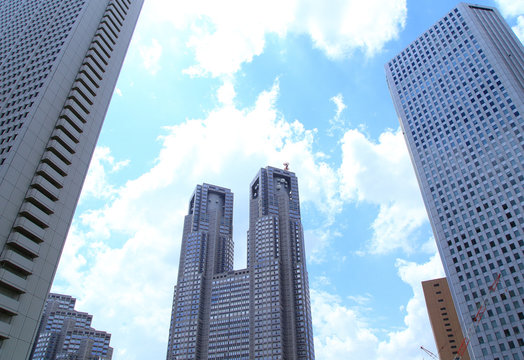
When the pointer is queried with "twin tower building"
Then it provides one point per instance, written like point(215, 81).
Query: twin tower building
point(458, 90)
point(59, 63)
point(261, 312)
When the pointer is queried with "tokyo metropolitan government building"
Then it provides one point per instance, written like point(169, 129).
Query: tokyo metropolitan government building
point(59, 62)
point(261, 312)
point(459, 92)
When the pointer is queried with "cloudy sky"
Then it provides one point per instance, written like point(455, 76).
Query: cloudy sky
point(211, 91)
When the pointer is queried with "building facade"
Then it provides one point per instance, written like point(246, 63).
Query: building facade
point(207, 250)
point(261, 312)
point(443, 318)
point(65, 333)
point(459, 92)
point(59, 62)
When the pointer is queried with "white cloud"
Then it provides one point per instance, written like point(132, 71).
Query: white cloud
point(343, 332)
point(123, 256)
point(223, 50)
point(510, 7)
point(128, 249)
point(96, 184)
point(150, 55)
point(340, 332)
point(418, 329)
point(320, 281)
point(381, 173)
point(72, 258)
point(337, 122)
point(430, 246)
point(317, 243)
point(519, 28)
point(338, 100)
point(361, 299)
point(226, 93)
point(340, 27)
point(224, 35)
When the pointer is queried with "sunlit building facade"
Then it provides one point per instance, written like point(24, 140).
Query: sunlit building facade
point(261, 312)
point(459, 93)
point(443, 318)
point(59, 63)
point(65, 333)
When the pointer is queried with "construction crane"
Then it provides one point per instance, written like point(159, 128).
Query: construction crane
point(433, 356)
point(476, 320)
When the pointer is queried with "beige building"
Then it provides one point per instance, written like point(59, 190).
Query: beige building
point(443, 317)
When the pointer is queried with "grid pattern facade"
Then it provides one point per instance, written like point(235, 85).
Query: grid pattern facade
point(261, 312)
point(65, 333)
point(229, 319)
point(459, 93)
point(443, 318)
point(59, 62)
point(280, 325)
point(207, 250)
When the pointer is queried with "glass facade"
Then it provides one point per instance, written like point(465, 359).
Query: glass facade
point(261, 312)
point(459, 93)
point(65, 333)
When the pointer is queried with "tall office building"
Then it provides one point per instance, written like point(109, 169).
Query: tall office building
point(59, 62)
point(261, 312)
point(65, 333)
point(459, 93)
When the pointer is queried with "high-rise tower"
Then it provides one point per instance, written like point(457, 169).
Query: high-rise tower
point(59, 62)
point(261, 312)
point(280, 321)
point(459, 93)
point(65, 333)
point(207, 250)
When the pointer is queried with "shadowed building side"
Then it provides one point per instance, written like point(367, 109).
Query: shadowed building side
point(59, 63)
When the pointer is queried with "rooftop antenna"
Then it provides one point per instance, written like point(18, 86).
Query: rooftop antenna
point(286, 166)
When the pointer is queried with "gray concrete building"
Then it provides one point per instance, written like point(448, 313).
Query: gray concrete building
point(261, 312)
point(459, 92)
point(59, 62)
point(65, 333)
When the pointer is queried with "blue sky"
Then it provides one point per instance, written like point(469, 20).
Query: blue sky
point(212, 91)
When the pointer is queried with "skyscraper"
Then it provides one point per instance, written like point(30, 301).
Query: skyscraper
point(459, 93)
point(261, 312)
point(65, 333)
point(207, 250)
point(59, 62)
